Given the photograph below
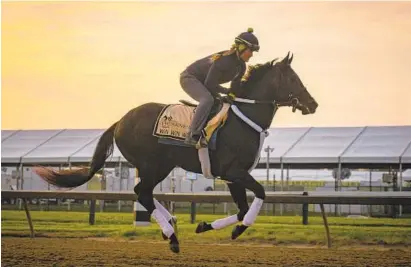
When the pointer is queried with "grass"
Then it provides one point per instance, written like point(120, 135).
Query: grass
point(267, 229)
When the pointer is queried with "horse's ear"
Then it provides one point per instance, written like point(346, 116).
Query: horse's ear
point(273, 61)
point(285, 60)
point(288, 59)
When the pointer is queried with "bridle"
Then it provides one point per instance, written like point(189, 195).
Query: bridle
point(292, 101)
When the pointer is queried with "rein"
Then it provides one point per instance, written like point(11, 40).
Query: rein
point(294, 102)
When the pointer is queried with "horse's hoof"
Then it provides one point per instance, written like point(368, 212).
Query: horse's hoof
point(172, 222)
point(200, 227)
point(237, 231)
point(175, 247)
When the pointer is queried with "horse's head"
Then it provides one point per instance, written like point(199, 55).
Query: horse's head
point(276, 81)
point(288, 90)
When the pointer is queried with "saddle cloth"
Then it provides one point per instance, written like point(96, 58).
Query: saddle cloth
point(175, 119)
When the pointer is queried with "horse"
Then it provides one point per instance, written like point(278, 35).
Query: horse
point(266, 87)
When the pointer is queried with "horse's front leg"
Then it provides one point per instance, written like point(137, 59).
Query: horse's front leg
point(239, 196)
point(243, 178)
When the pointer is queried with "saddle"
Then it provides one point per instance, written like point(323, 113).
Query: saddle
point(217, 106)
point(174, 120)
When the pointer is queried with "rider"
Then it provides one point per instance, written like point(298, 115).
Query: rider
point(201, 80)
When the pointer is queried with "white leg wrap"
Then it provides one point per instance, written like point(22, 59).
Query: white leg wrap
point(252, 213)
point(161, 220)
point(163, 210)
point(224, 222)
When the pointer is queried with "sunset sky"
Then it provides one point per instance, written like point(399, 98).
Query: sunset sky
point(85, 64)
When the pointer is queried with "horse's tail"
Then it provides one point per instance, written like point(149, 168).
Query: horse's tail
point(74, 178)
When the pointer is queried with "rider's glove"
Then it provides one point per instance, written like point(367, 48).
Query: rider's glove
point(230, 98)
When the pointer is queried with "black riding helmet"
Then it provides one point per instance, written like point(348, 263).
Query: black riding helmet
point(248, 38)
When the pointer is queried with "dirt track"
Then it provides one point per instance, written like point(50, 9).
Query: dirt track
point(80, 252)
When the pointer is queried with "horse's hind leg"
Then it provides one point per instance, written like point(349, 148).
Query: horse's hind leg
point(149, 179)
point(239, 196)
point(170, 218)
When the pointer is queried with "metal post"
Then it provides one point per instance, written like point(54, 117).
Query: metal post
point(120, 187)
point(193, 205)
point(394, 189)
point(26, 208)
point(19, 184)
point(282, 177)
point(305, 210)
point(400, 171)
point(103, 187)
point(288, 178)
point(21, 176)
point(268, 150)
point(58, 201)
point(17, 177)
point(337, 185)
point(370, 186)
point(282, 186)
point(92, 212)
point(48, 189)
point(287, 184)
point(193, 212)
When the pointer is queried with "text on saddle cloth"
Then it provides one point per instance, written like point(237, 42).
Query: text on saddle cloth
point(174, 121)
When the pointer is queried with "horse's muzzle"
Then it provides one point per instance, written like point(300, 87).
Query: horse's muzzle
point(309, 108)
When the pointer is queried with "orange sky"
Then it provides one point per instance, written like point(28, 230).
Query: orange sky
point(85, 64)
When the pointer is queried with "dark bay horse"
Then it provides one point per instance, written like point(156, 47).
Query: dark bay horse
point(271, 85)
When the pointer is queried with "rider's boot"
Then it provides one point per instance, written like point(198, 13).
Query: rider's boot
point(197, 140)
point(192, 139)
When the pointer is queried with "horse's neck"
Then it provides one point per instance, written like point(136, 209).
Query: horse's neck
point(261, 114)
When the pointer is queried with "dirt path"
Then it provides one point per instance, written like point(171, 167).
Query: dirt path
point(80, 252)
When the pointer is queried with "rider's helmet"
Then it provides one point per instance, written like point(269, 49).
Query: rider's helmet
point(248, 39)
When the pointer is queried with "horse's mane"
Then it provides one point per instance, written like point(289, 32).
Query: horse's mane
point(255, 73)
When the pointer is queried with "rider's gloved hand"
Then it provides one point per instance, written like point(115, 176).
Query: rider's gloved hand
point(229, 98)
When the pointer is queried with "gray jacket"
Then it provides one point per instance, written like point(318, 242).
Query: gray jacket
point(213, 73)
